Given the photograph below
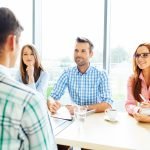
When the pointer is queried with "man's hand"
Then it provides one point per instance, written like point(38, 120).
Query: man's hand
point(53, 106)
point(71, 109)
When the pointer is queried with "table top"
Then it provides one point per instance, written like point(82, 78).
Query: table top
point(97, 133)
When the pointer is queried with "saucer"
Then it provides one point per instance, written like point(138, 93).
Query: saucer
point(111, 120)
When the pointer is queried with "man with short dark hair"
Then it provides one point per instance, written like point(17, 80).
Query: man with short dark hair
point(87, 85)
point(24, 121)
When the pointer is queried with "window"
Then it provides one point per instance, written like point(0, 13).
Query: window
point(24, 14)
point(62, 22)
point(129, 27)
point(58, 23)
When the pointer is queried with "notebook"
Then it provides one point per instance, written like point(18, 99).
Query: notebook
point(63, 113)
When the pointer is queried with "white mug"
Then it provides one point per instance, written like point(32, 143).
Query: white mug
point(111, 114)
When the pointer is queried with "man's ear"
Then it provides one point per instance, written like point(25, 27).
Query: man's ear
point(91, 54)
point(11, 42)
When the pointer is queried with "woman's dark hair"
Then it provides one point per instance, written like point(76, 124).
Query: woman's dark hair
point(137, 82)
point(37, 66)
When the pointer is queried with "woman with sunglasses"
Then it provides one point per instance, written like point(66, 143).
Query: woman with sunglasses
point(138, 88)
point(31, 71)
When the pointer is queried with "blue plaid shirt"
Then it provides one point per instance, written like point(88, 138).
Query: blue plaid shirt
point(92, 87)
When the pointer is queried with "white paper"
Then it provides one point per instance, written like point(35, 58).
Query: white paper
point(63, 113)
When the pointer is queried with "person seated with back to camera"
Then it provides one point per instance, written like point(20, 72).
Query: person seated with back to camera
point(31, 72)
point(87, 85)
point(24, 119)
point(139, 84)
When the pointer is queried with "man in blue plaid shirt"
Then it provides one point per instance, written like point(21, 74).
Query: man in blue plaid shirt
point(87, 85)
point(24, 122)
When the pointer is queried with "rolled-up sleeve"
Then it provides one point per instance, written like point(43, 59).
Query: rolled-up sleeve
point(59, 87)
point(105, 92)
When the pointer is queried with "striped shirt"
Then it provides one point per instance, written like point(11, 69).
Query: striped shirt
point(24, 121)
point(92, 87)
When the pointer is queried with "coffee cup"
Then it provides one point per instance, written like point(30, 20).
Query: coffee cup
point(111, 114)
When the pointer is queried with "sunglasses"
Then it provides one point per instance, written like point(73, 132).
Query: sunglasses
point(142, 55)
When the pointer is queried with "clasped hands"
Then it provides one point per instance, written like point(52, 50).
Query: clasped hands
point(142, 117)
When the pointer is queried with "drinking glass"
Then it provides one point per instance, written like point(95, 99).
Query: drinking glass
point(80, 115)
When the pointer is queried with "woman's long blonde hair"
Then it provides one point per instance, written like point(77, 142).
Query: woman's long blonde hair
point(137, 71)
point(37, 66)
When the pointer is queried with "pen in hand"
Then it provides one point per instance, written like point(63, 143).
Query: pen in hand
point(145, 103)
point(143, 98)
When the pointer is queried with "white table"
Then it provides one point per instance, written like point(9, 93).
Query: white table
point(98, 134)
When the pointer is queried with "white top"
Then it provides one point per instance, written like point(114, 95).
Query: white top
point(40, 85)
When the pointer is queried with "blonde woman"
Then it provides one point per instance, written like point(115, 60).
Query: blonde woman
point(138, 96)
point(31, 71)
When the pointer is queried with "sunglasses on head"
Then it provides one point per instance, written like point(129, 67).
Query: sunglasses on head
point(142, 55)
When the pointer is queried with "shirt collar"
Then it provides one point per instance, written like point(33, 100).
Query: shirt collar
point(87, 71)
point(5, 70)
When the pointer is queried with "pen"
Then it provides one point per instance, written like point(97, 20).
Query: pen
point(143, 98)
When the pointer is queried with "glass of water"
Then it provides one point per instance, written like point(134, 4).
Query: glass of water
point(80, 115)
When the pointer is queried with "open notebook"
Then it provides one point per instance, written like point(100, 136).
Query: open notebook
point(63, 113)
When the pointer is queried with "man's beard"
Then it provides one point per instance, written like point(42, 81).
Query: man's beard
point(79, 61)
